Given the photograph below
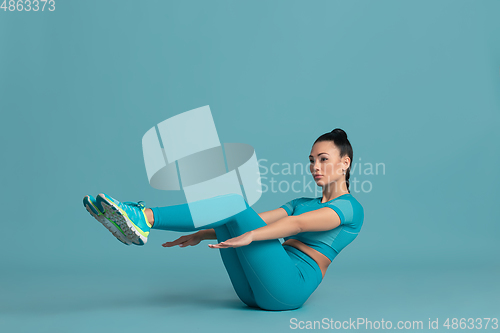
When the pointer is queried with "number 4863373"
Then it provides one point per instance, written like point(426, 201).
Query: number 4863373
point(28, 5)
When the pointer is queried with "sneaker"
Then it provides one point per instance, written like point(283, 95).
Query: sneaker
point(97, 212)
point(129, 216)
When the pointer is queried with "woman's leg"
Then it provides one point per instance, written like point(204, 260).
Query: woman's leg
point(234, 269)
point(279, 280)
point(178, 218)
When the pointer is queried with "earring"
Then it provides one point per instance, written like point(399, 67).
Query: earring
point(343, 171)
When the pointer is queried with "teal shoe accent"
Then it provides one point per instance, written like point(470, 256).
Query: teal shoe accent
point(90, 201)
point(97, 211)
point(129, 216)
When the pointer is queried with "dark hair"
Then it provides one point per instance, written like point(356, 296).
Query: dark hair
point(339, 138)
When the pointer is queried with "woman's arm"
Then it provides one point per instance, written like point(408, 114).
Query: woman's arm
point(269, 217)
point(207, 234)
point(274, 215)
point(318, 220)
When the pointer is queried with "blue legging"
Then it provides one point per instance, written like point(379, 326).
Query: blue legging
point(265, 274)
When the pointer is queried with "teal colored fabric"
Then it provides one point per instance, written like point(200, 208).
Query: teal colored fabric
point(264, 274)
point(329, 242)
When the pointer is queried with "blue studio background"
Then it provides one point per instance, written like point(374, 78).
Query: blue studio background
point(415, 84)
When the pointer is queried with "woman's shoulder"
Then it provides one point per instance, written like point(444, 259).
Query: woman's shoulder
point(356, 204)
point(305, 199)
point(291, 205)
point(350, 208)
point(301, 200)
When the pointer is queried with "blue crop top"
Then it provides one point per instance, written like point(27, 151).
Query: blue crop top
point(332, 241)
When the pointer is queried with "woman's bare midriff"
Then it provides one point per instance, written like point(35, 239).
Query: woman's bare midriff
point(322, 260)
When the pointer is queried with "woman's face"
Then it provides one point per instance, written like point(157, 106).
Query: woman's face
point(326, 165)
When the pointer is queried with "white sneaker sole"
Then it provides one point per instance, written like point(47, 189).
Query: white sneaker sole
point(110, 226)
point(115, 214)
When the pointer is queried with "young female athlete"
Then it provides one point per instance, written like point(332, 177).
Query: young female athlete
point(265, 273)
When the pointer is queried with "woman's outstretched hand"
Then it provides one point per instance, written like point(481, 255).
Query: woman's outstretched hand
point(242, 240)
point(183, 241)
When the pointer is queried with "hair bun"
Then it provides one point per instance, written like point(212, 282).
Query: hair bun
point(339, 131)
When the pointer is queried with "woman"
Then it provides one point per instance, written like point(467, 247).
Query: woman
point(265, 273)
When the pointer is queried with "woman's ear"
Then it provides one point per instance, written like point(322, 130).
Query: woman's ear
point(346, 161)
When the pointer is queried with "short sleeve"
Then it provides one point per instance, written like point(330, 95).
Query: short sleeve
point(339, 213)
point(344, 210)
point(289, 207)
point(351, 213)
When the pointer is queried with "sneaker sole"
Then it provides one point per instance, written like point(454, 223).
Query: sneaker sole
point(107, 223)
point(120, 218)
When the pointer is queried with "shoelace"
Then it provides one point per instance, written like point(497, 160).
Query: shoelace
point(139, 204)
